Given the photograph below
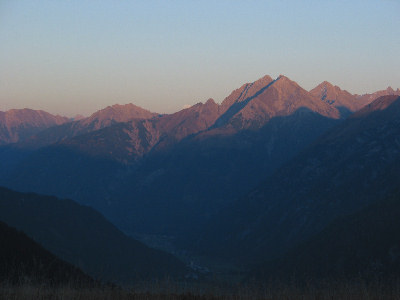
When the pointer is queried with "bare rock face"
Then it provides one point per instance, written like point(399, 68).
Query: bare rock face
point(189, 121)
point(127, 142)
point(254, 104)
point(335, 96)
point(101, 119)
point(116, 114)
point(19, 124)
point(246, 91)
point(342, 99)
point(368, 98)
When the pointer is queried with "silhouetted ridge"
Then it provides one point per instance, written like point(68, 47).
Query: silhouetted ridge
point(83, 237)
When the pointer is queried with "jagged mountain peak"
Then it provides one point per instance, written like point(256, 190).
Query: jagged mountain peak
point(122, 112)
point(282, 77)
point(245, 91)
point(19, 124)
point(256, 103)
point(390, 90)
point(26, 115)
point(335, 96)
point(210, 101)
point(368, 98)
point(326, 83)
point(324, 88)
point(344, 100)
point(266, 79)
point(380, 103)
point(283, 82)
point(116, 114)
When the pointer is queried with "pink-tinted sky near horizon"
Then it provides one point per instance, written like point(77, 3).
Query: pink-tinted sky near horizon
point(71, 57)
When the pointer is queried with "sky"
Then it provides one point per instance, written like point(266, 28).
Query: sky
point(75, 57)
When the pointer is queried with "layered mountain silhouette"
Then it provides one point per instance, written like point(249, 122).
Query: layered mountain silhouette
point(173, 174)
point(13, 153)
point(84, 238)
point(23, 261)
point(175, 168)
point(101, 119)
point(361, 245)
point(17, 125)
point(349, 167)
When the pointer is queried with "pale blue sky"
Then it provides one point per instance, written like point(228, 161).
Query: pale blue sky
point(71, 57)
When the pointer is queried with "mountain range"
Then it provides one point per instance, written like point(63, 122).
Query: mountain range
point(242, 181)
point(17, 125)
point(350, 166)
point(98, 120)
point(158, 167)
point(264, 122)
point(346, 102)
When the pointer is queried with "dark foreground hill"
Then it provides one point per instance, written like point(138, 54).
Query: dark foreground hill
point(365, 244)
point(83, 237)
point(23, 261)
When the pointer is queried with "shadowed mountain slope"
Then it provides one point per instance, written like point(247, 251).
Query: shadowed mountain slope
point(83, 237)
point(365, 244)
point(204, 173)
point(351, 166)
point(22, 260)
point(180, 169)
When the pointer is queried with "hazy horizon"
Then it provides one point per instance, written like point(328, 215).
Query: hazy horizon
point(77, 57)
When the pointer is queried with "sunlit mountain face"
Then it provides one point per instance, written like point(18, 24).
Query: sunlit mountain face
point(242, 182)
